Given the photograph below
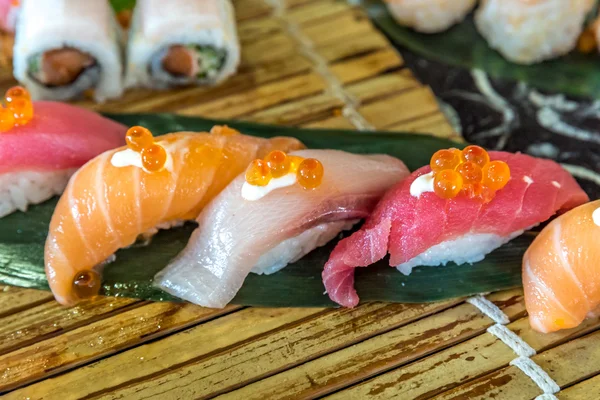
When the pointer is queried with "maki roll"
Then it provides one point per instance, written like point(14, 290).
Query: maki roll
point(531, 31)
point(188, 42)
point(430, 16)
point(64, 48)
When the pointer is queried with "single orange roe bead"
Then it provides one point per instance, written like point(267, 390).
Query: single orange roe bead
point(7, 119)
point(586, 43)
point(295, 162)
point(447, 184)
point(258, 173)
point(496, 175)
point(138, 138)
point(154, 157)
point(486, 195)
point(476, 154)
point(223, 130)
point(310, 173)
point(17, 92)
point(279, 163)
point(86, 284)
point(444, 159)
point(470, 172)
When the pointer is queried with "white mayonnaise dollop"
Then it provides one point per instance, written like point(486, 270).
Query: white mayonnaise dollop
point(130, 158)
point(253, 192)
point(422, 184)
point(596, 216)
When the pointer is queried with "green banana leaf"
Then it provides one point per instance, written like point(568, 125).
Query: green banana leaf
point(574, 74)
point(22, 237)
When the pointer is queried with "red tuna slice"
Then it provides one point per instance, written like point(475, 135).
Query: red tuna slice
point(60, 136)
point(537, 189)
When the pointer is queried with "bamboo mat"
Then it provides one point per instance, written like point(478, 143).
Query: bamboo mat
point(313, 63)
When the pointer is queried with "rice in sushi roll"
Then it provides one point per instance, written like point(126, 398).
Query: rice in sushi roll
point(430, 16)
point(64, 48)
point(531, 31)
point(182, 42)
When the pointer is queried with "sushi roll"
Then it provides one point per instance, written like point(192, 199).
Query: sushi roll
point(560, 271)
point(281, 209)
point(458, 209)
point(152, 183)
point(531, 31)
point(42, 144)
point(187, 42)
point(64, 48)
point(430, 16)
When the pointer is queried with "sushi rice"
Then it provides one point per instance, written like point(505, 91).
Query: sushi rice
point(20, 189)
point(531, 31)
point(430, 16)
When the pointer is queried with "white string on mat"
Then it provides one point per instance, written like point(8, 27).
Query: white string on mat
point(518, 345)
point(307, 49)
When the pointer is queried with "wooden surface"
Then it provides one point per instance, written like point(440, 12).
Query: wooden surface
point(120, 348)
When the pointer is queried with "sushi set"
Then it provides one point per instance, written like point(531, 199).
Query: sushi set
point(69, 49)
point(260, 204)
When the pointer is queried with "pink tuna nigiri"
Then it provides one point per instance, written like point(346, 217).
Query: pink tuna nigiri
point(241, 232)
point(37, 159)
point(8, 14)
point(429, 230)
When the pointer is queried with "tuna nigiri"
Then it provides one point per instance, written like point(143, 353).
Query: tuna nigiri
point(43, 143)
point(8, 14)
point(261, 225)
point(419, 227)
point(152, 183)
point(561, 274)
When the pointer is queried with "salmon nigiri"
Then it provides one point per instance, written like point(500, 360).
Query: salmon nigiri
point(42, 143)
point(561, 271)
point(260, 227)
point(152, 183)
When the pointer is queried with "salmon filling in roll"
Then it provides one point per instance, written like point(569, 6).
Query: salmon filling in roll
point(64, 67)
point(186, 64)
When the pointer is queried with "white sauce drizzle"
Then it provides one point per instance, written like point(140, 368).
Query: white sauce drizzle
point(527, 180)
point(596, 216)
point(422, 184)
point(253, 192)
point(556, 184)
point(130, 158)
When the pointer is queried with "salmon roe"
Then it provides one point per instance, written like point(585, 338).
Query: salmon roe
point(138, 138)
point(86, 284)
point(278, 162)
point(18, 103)
point(310, 173)
point(496, 175)
point(475, 154)
point(223, 130)
point(473, 176)
point(586, 43)
point(258, 173)
point(445, 159)
point(154, 157)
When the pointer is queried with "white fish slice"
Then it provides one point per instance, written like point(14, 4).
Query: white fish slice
point(236, 236)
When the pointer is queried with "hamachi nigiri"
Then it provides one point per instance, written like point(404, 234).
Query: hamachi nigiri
point(561, 275)
point(152, 183)
point(44, 145)
point(253, 228)
point(419, 228)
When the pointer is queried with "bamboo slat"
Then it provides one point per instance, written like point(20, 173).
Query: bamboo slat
point(14, 299)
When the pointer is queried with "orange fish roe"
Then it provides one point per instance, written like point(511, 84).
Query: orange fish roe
point(473, 176)
point(18, 102)
point(223, 130)
point(258, 173)
point(586, 43)
point(154, 157)
point(445, 159)
point(278, 162)
point(309, 172)
point(138, 138)
point(86, 284)
point(7, 119)
point(475, 154)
